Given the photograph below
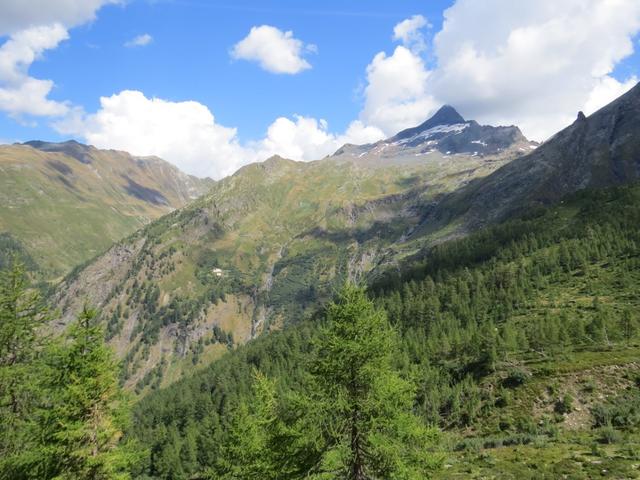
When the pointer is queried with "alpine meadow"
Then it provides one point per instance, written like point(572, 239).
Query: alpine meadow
point(340, 240)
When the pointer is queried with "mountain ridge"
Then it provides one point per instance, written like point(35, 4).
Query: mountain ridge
point(267, 245)
point(66, 202)
point(600, 150)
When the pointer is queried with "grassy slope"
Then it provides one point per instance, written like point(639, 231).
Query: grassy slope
point(282, 232)
point(64, 211)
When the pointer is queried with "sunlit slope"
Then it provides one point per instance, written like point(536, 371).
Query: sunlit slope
point(260, 250)
point(65, 203)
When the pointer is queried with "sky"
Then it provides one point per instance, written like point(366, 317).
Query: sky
point(211, 85)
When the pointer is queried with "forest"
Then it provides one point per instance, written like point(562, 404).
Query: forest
point(427, 370)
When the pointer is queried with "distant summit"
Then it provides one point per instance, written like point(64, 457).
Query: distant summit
point(446, 115)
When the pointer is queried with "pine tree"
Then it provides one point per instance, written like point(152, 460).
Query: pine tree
point(252, 451)
point(82, 427)
point(21, 315)
point(361, 408)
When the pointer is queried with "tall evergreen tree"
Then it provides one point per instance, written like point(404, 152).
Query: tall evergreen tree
point(362, 408)
point(82, 427)
point(251, 452)
point(22, 313)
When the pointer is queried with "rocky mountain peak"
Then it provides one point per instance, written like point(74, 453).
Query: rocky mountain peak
point(601, 150)
point(446, 115)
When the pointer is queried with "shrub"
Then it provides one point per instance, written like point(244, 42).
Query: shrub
point(515, 378)
point(564, 405)
point(609, 435)
point(621, 412)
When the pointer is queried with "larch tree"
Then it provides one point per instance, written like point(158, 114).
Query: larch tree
point(360, 406)
point(83, 426)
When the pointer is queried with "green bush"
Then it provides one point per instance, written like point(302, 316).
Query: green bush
point(515, 378)
point(622, 411)
point(564, 405)
point(609, 435)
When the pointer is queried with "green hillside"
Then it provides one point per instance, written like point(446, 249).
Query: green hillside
point(522, 339)
point(66, 203)
point(258, 252)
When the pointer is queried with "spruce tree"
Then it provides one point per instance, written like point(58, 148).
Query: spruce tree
point(82, 427)
point(361, 408)
point(21, 315)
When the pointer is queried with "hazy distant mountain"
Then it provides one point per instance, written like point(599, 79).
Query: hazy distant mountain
point(66, 202)
point(445, 135)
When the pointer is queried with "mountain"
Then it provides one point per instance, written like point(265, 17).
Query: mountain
point(444, 136)
point(510, 277)
point(267, 245)
point(523, 341)
point(261, 250)
point(596, 151)
point(64, 203)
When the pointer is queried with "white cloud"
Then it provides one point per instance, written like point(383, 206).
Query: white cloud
point(18, 15)
point(606, 90)
point(409, 33)
point(184, 133)
point(276, 51)
point(35, 26)
point(19, 93)
point(538, 64)
point(396, 95)
point(358, 133)
point(139, 41)
point(306, 138)
point(302, 139)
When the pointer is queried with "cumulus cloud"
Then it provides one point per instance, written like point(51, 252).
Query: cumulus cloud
point(20, 93)
point(409, 32)
point(16, 15)
point(274, 50)
point(538, 64)
point(184, 133)
point(606, 90)
point(396, 95)
point(139, 41)
point(33, 27)
point(307, 138)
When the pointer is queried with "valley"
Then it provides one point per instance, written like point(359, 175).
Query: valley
point(413, 294)
point(262, 249)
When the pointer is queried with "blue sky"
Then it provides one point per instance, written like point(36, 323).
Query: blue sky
point(189, 58)
point(358, 72)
